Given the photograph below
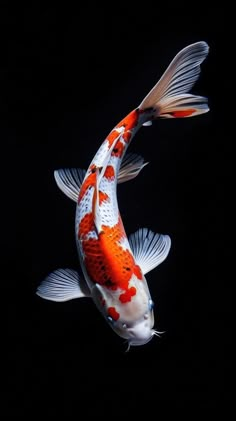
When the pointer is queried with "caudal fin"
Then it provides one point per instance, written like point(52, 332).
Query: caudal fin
point(169, 97)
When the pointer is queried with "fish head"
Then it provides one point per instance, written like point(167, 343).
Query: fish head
point(133, 320)
point(139, 330)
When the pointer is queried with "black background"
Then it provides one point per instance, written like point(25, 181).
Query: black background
point(68, 76)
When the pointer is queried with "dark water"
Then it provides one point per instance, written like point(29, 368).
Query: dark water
point(72, 75)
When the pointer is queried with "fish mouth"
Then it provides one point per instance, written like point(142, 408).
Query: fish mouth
point(143, 341)
point(139, 342)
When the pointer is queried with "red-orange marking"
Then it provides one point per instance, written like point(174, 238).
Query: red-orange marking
point(113, 313)
point(117, 259)
point(118, 149)
point(130, 121)
point(112, 136)
point(90, 181)
point(105, 260)
point(127, 136)
point(102, 197)
point(107, 263)
point(126, 296)
point(182, 113)
point(86, 224)
point(137, 272)
point(109, 173)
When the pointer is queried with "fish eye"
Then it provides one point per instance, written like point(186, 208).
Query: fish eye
point(110, 319)
point(150, 304)
point(124, 325)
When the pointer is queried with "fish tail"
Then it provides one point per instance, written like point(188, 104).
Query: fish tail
point(169, 97)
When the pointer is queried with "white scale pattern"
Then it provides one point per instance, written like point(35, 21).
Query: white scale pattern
point(84, 207)
point(101, 154)
point(109, 212)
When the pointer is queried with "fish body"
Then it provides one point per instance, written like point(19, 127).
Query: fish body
point(115, 279)
point(113, 265)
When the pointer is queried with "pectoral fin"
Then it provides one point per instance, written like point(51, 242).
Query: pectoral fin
point(63, 285)
point(131, 166)
point(69, 181)
point(149, 249)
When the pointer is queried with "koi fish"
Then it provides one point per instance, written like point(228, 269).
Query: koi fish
point(113, 265)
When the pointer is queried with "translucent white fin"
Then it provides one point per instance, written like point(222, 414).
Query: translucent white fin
point(69, 181)
point(62, 285)
point(149, 249)
point(131, 166)
point(169, 96)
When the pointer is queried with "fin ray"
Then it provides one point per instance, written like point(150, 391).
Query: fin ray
point(62, 285)
point(149, 249)
point(69, 181)
point(169, 97)
point(131, 166)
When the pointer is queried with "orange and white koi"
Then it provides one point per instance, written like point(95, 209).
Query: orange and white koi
point(113, 266)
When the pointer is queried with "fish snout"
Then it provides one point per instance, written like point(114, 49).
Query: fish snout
point(140, 333)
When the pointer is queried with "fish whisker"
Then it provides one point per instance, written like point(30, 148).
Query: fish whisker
point(157, 333)
point(128, 347)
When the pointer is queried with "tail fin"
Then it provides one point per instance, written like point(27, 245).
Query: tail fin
point(169, 96)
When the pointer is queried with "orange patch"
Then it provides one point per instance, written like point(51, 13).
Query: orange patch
point(95, 263)
point(112, 136)
point(137, 272)
point(107, 263)
point(111, 311)
point(109, 173)
point(90, 181)
point(127, 295)
point(127, 136)
point(130, 121)
point(182, 113)
point(118, 149)
point(86, 225)
point(102, 197)
point(119, 262)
